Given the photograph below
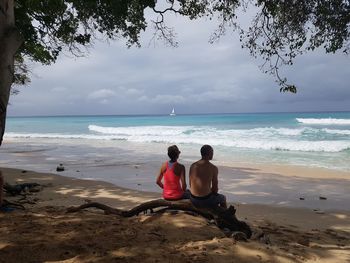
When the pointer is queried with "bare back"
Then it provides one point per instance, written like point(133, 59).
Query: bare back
point(203, 178)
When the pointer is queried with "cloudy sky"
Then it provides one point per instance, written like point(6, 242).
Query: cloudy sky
point(196, 77)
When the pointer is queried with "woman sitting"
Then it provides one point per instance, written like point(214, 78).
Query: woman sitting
point(171, 177)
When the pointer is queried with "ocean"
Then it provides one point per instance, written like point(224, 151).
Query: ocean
point(128, 151)
point(307, 139)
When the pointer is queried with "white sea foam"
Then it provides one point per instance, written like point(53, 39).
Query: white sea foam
point(178, 130)
point(324, 121)
point(57, 136)
point(143, 130)
point(269, 138)
point(339, 132)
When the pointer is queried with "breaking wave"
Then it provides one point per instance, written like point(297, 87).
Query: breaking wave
point(268, 138)
point(324, 121)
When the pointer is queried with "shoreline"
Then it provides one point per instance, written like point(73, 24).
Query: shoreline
point(61, 194)
point(225, 156)
point(135, 166)
point(45, 232)
point(269, 184)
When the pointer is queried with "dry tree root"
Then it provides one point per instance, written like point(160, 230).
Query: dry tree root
point(224, 218)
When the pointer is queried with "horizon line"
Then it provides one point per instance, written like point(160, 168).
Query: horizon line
point(177, 114)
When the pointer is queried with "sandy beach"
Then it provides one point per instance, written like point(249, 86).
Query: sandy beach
point(44, 232)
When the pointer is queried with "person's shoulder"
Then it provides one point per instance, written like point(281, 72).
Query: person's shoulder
point(213, 166)
point(164, 165)
point(181, 165)
point(195, 163)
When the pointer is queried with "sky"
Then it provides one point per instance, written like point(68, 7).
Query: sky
point(196, 77)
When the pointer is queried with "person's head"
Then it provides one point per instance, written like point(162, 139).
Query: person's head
point(173, 153)
point(207, 152)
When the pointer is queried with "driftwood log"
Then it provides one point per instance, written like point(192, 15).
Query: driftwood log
point(224, 218)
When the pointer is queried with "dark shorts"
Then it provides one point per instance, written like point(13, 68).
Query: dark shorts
point(185, 195)
point(211, 200)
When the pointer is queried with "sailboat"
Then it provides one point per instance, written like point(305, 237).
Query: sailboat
point(172, 113)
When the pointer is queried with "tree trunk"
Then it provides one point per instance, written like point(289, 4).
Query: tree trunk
point(10, 41)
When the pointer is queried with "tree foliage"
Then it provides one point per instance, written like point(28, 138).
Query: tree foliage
point(51, 26)
point(283, 30)
point(278, 33)
point(280, 30)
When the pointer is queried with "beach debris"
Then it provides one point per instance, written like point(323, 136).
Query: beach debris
point(301, 198)
point(60, 168)
point(24, 171)
point(322, 198)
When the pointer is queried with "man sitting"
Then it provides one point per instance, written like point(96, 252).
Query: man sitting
point(203, 181)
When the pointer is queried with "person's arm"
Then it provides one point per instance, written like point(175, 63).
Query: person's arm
point(183, 178)
point(160, 176)
point(214, 182)
point(189, 175)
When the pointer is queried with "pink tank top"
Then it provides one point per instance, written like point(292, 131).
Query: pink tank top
point(172, 187)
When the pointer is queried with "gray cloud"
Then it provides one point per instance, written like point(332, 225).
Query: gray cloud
point(196, 77)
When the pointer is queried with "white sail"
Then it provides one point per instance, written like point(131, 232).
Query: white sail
point(172, 112)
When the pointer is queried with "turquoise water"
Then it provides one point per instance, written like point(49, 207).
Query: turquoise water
point(309, 139)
